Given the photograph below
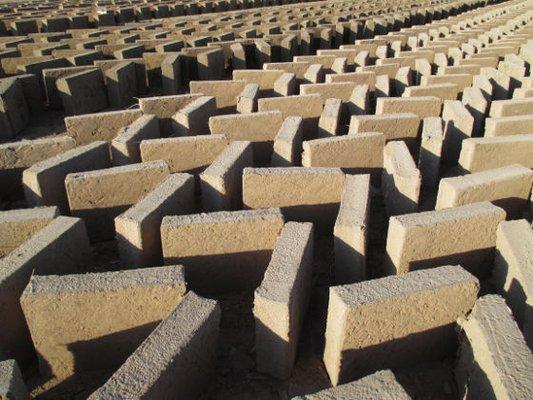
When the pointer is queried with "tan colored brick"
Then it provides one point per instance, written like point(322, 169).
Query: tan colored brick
point(507, 187)
point(394, 321)
point(480, 154)
point(104, 307)
point(44, 181)
point(61, 247)
point(351, 230)
point(379, 385)
point(213, 263)
point(190, 153)
point(221, 182)
point(303, 194)
point(494, 361)
point(280, 302)
point(101, 195)
point(512, 271)
point(17, 226)
point(90, 128)
point(159, 367)
point(288, 143)
point(422, 240)
point(423, 106)
point(138, 237)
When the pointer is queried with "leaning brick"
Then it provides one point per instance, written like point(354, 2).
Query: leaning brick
point(329, 123)
point(430, 152)
point(83, 92)
point(401, 180)
point(477, 105)
point(160, 367)
point(193, 119)
point(459, 125)
point(125, 146)
point(14, 114)
point(494, 360)
point(379, 385)
point(247, 100)
point(288, 143)
point(359, 103)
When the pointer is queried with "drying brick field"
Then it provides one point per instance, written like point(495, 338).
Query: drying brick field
point(266, 200)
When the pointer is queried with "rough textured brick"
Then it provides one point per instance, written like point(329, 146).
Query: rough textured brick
point(221, 182)
point(395, 321)
point(512, 272)
point(480, 154)
point(160, 367)
point(288, 143)
point(61, 247)
point(422, 240)
point(100, 126)
point(303, 194)
point(44, 181)
point(379, 385)
point(138, 237)
point(125, 146)
point(393, 126)
point(213, 263)
point(507, 187)
point(12, 385)
point(401, 179)
point(494, 362)
point(351, 230)
point(113, 313)
point(17, 226)
point(355, 153)
point(101, 195)
point(423, 106)
point(280, 302)
point(190, 153)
